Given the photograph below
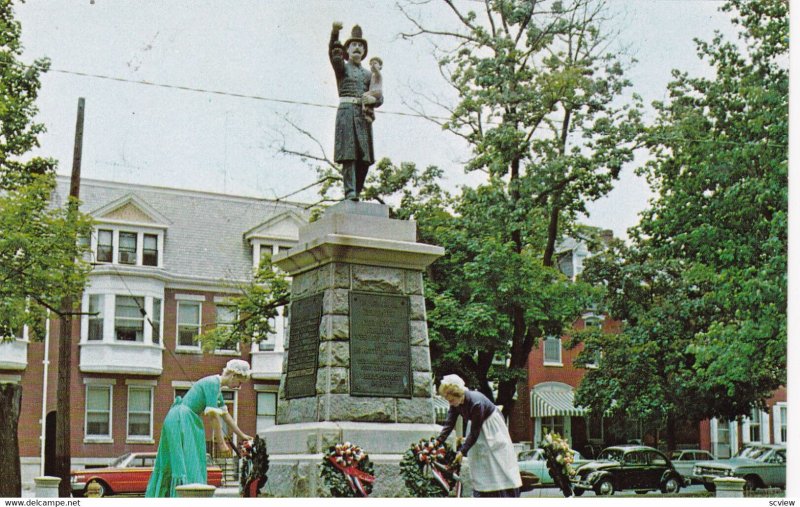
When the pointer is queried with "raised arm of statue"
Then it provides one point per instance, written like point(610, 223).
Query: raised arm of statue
point(336, 50)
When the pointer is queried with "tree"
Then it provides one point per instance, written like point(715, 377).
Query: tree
point(644, 372)
point(538, 104)
point(255, 308)
point(38, 242)
point(707, 270)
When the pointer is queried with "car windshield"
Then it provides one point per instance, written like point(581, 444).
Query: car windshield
point(757, 453)
point(120, 461)
point(611, 455)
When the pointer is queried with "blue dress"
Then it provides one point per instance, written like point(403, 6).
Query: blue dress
point(181, 455)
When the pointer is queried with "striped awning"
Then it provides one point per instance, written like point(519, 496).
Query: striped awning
point(549, 403)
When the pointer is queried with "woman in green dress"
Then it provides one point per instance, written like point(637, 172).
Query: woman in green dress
point(182, 449)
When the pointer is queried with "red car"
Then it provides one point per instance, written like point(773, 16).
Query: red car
point(128, 474)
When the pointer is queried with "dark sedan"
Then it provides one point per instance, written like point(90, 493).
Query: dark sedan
point(628, 467)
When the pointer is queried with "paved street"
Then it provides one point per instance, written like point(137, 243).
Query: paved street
point(696, 490)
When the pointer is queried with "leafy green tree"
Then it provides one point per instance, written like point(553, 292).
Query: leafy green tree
point(705, 281)
point(255, 307)
point(40, 257)
point(539, 104)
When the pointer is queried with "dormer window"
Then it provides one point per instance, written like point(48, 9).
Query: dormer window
point(150, 250)
point(105, 245)
point(127, 248)
point(130, 233)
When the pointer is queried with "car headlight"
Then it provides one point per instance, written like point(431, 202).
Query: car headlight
point(696, 470)
point(729, 473)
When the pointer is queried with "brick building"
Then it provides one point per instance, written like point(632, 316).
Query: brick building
point(548, 402)
point(178, 255)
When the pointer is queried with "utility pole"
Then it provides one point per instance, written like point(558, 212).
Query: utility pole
point(63, 441)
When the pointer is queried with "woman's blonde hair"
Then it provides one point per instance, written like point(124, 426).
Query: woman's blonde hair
point(452, 384)
point(237, 367)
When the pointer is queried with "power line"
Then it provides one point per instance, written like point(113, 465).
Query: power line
point(328, 106)
point(226, 94)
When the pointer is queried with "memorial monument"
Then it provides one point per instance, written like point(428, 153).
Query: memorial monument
point(357, 366)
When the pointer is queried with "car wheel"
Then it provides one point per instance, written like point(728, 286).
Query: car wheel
point(103, 489)
point(641, 492)
point(604, 488)
point(709, 487)
point(751, 483)
point(578, 492)
point(671, 486)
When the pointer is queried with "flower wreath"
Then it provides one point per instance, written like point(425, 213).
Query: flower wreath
point(347, 471)
point(559, 458)
point(430, 470)
point(254, 465)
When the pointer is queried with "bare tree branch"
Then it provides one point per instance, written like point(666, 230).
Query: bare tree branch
point(424, 31)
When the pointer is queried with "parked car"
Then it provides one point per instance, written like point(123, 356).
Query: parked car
point(533, 461)
point(127, 474)
point(529, 481)
point(684, 462)
point(628, 467)
point(761, 465)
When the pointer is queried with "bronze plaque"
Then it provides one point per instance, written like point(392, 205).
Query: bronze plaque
point(301, 367)
point(380, 350)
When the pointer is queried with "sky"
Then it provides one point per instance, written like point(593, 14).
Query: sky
point(274, 53)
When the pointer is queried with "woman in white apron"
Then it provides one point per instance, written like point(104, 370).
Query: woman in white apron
point(492, 461)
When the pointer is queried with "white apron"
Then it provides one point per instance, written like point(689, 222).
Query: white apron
point(492, 461)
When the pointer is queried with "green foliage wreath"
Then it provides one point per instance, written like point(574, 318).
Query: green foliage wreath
point(346, 456)
point(418, 465)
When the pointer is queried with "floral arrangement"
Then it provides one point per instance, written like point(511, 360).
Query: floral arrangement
point(254, 465)
point(559, 458)
point(347, 471)
point(430, 470)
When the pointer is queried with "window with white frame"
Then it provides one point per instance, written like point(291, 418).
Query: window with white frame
point(127, 247)
point(782, 413)
point(96, 317)
point(128, 318)
point(720, 438)
point(553, 424)
point(140, 412)
point(98, 411)
point(596, 324)
point(229, 398)
point(266, 408)
point(155, 321)
point(552, 350)
point(150, 250)
point(188, 324)
point(267, 343)
point(755, 425)
point(226, 317)
point(105, 245)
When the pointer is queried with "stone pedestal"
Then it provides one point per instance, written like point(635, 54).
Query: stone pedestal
point(729, 487)
point(195, 491)
point(46, 486)
point(354, 251)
